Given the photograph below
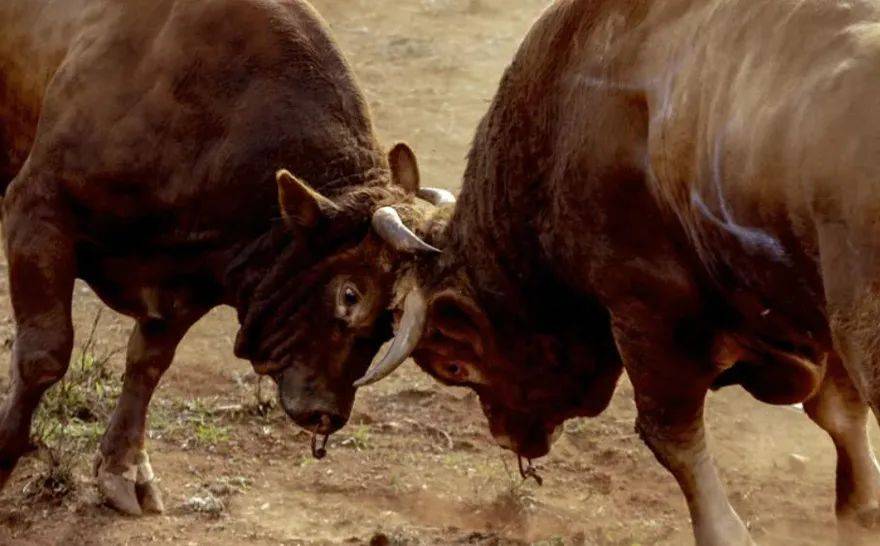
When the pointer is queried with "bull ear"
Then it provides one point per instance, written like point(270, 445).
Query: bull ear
point(460, 319)
point(301, 206)
point(404, 168)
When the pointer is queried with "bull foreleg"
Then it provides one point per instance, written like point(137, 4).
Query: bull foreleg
point(124, 474)
point(681, 448)
point(841, 411)
point(42, 267)
point(670, 387)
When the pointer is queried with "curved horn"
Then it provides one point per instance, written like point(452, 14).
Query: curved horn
point(436, 196)
point(389, 226)
point(412, 325)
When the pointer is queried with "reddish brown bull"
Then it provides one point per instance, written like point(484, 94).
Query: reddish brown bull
point(140, 141)
point(685, 189)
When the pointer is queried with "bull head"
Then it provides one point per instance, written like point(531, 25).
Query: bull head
point(530, 374)
point(320, 313)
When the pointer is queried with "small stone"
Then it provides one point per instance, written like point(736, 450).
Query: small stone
point(797, 463)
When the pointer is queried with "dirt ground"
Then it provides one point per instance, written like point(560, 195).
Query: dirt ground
point(416, 465)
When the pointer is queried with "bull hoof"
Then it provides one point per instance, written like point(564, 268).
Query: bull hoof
point(132, 492)
point(148, 493)
point(150, 498)
point(119, 492)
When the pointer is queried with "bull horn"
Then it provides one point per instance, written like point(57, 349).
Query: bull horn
point(436, 196)
point(389, 226)
point(412, 325)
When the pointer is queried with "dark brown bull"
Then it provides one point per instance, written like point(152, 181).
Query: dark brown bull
point(140, 141)
point(688, 190)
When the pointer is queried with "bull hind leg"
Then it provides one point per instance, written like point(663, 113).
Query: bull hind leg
point(670, 387)
point(851, 276)
point(124, 473)
point(840, 410)
point(42, 268)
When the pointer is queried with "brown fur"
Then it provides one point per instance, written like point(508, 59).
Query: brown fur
point(140, 142)
point(688, 188)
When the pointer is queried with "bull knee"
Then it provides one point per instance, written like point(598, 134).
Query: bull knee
point(39, 369)
point(674, 447)
point(40, 362)
point(838, 422)
point(837, 414)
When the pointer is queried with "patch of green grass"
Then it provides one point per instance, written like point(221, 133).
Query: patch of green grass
point(210, 434)
point(359, 439)
point(81, 402)
point(202, 424)
point(193, 423)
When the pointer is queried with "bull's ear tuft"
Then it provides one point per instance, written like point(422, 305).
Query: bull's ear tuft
point(301, 206)
point(404, 168)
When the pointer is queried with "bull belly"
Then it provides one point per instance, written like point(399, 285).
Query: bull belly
point(151, 288)
point(770, 374)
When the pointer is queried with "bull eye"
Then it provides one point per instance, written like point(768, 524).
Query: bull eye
point(350, 297)
point(347, 299)
point(455, 370)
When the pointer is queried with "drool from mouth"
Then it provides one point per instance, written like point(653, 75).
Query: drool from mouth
point(529, 471)
point(319, 452)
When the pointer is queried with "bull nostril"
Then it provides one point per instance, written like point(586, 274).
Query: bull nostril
point(336, 422)
point(321, 422)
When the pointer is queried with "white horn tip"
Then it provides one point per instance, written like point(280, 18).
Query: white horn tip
point(412, 326)
point(391, 228)
point(436, 196)
point(371, 377)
